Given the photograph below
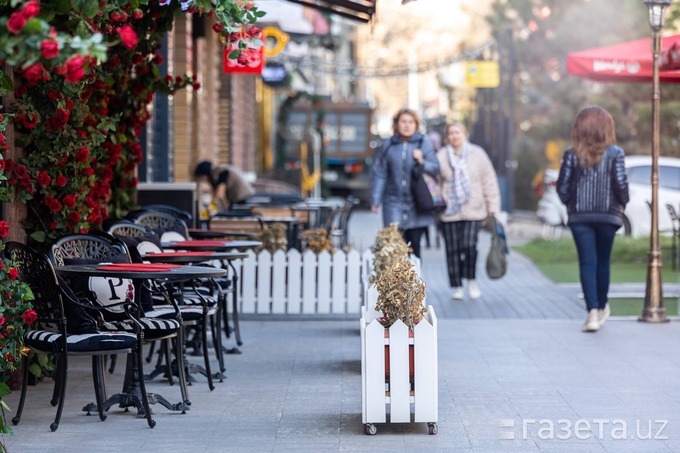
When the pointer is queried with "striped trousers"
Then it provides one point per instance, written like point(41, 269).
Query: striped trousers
point(460, 239)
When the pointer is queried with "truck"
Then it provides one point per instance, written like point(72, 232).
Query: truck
point(349, 144)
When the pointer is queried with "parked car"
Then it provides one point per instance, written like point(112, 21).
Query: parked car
point(638, 219)
point(637, 216)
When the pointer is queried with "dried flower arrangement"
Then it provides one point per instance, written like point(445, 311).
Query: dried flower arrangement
point(273, 238)
point(401, 294)
point(389, 247)
point(318, 240)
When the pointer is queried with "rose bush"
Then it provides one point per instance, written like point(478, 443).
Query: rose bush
point(83, 80)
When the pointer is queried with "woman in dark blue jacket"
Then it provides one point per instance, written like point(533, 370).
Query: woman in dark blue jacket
point(594, 187)
point(391, 178)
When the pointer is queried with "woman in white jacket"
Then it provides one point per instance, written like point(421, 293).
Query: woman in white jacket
point(470, 187)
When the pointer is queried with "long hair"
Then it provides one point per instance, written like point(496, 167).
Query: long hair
point(400, 113)
point(593, 131)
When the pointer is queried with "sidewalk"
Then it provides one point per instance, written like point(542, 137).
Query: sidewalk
point(515, 358)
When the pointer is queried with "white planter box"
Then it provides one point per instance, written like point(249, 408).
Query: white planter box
point(397, 394)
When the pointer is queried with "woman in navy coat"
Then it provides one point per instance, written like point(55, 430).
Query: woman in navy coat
point(391, 178)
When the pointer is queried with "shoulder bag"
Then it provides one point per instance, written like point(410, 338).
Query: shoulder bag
point(496, 261)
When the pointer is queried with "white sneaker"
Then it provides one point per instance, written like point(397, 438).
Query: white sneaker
point(603, 314)
point(458, 293)
point(473, 289)
point(592, 323)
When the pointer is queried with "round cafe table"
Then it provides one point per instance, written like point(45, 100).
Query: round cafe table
point(212, 245)
point(203, 252)
point(138, 273)
point(197, 233)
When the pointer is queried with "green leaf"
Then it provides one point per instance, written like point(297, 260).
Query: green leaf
point(6, 83)
point(39, 236)
point(234, 54)
point(4, 389)
point(35, 370)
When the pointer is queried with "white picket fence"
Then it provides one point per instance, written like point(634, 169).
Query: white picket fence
point(303, 283)
point(395, 393)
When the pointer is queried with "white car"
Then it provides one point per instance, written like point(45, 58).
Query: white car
point(637, 216)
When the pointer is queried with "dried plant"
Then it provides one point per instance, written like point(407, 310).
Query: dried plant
point(388, 248)
point(318, 240)
point(401, 294)
point(273, 238)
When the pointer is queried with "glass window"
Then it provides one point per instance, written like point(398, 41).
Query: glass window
point(640, 175)
point(669, 177)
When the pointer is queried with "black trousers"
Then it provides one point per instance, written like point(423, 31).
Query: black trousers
point(414, 235)
point(460, 239)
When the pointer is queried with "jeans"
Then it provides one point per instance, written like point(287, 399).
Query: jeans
point(413, 235)
point(594, 245)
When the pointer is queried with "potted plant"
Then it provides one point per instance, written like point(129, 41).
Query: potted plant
point(389, 247)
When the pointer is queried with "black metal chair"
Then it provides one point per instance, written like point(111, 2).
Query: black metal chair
point(199, 302)
point(50, 335)
point(175, 212)
point(168, 226)
point(675, 242)
point(163, 325)
point(340, 235)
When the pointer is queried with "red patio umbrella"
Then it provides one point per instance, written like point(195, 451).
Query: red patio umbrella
point(627, 62)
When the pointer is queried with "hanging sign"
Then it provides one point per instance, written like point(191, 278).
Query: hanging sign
point(274, 41)
point(482, 74)
point(274, 74)
point(252, 61)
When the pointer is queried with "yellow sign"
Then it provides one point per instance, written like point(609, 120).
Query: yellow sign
point(482, 74)
point(274, 41)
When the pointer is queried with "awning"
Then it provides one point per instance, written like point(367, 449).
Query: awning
point(360, 10)
point(627, 62)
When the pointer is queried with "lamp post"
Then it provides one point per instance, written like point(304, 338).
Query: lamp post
point(654, 310)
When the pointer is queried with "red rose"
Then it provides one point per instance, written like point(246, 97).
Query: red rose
point(13, 273)
point(2, 164)
point(4, 229)
point(128, 36)
point(2, 320)
point(32, 9)
point(29, 316)
point(73, 217)
point(87, 171)
point(137, 13)
point(34, 73)
point(43, 178)
point(73, 68)
point(60, 181)
point(20, 171)
point(69, 200)
point(218, 27)
point(30, 120)
point(82, 154)
point(16, 22)
point(49, 48)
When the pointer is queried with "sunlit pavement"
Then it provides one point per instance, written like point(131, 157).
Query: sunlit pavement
point(515, 374)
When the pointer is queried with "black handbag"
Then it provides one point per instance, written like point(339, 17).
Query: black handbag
point(425, 190)
point(496, 260)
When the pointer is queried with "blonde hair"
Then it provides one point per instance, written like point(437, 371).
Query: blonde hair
point(457, 124)
point(402, 112)
point(593, 131)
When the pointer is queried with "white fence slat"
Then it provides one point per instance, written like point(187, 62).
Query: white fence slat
point(354, 286)
point(323, 283)
point(374, 378)
point(279, 282)
point(294, 282)
point(338, 282)
point(425, 360)
point(400, 388)
point(264, 276)
point(247, 281)
point(308, 282)
point(366, 265)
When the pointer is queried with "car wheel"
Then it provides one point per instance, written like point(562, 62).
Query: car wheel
point(627, 231)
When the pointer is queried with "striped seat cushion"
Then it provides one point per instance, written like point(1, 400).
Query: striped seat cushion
point(152, 327)
point(189, 312)
point(46, 340)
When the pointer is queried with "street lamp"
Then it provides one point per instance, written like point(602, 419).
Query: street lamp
point(654, 310)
